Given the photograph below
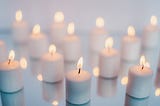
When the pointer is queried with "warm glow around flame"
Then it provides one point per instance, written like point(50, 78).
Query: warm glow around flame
point(19, 15)
point(52, 49)
point(157, 92)
point(11, 55)
point(70, 28)
point(142, 60)
point(80, 63)
point(109, 42)
point(124, 80)
point(100, 22)
point(55, 103)
point(23, 63)
point(131, 31)
point(59, 17)
point(96, 71)
point(36, 29)
point(153, 20)
point(39, 77)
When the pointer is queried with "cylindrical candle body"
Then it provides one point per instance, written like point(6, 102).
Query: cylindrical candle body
point(3, 55)
point(10, 77)
point(71, 48)
point(109, 62)
point(78, 87)
point(38, 45)
point(20, 32)
point(97, 39)
point(139, 82)
point(52, 67)
point(151, 37)
point(131, 47)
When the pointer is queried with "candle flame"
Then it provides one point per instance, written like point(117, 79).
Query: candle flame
point(19, 15)
point(39, 77)
point(124, 80)
point(52, 49)
point(109, 42)
point(157, 92)
point(96, 71)
point(100, 22)
point(59, 17)
point(142, 60)
point(36, 29)
point(11, 55)
point(55, 103)
point(131, 31)
point(153, 20)
point(70, 28)
point(23, 63)
point(80, 63)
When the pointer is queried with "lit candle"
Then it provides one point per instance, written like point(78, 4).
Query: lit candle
point(78, 83)
point(71, 45)
point(10, 75)
point(20, 28)
point(139, 80)
point(3, 55)
point(131, 46)
point(150, 38)
point(38, 43)
point(52, 65)
point(58, 28)
point(109, 60)
point(98, 35)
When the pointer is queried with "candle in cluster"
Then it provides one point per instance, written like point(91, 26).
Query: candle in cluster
point(52, 65)
point(131, 46)
point(38, 43)
point(78, 83)
point(98, 35)
point(20, 28)
point(10, 75)
point(139, 80)
point(151, 35)
point(109, 60)
point(3, 55)
point(71, 45)
point(58, 28)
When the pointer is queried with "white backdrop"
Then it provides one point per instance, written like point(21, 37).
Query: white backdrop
point(118, 14)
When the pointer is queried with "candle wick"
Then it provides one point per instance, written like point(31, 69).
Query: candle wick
point(142, 67)
point(79, 70)
point(9, 61)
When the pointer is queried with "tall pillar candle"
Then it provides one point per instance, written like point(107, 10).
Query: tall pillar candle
point(10, 75)
point(78, 83)
point(71, 45)
point(38, 43)
point(109, 60)
point(3, 55)
point(131, 46)
point(151, 35)
point(98, 36)
point(139, 80)
point(20, 29)
point(52, 65)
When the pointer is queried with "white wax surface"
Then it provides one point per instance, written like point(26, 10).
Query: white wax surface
point(97, 39)
point(139, 82)
point(151, 37)
point(78, 87)
point(71, 48)
point(20, 31)
point(10, 77)
point(109, 62)
point(38, 45)
point(52, 67)
point(130, 49)
point(3, 53)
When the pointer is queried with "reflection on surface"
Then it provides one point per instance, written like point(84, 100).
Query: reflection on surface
point(124, 80)
point(130, 101)
point(13, 99)
point(96, 71)
point(106, 87)
point(69, 104)
point(69, 66)
point(53, 92)
point(36, 66)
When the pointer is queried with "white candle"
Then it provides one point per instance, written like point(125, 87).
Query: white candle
point(10, 75)
point(3, 55)
point(139, 80)
point(20, 28)
point(52, 65)
point(71, 45)
point(98, 35)
point(78, 83)
point(58, 28)
point(38, 43)
point(150, 38)
point(109, 60)
point(131, 46)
